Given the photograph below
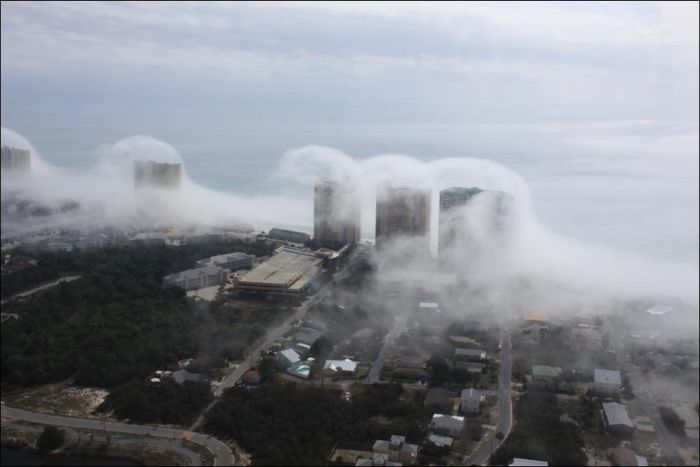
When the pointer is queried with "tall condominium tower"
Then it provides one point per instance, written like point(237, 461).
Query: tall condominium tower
point(402, 212)
point(15, 159)
point(337, 213)
point(157, 174)
point(493, 212)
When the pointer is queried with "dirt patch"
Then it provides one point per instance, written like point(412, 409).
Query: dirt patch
point(58, 399)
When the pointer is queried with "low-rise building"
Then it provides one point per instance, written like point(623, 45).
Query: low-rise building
point(544, 375)
point(470, 367)
point(377, 460)
point(464, 341)
point(345, 367)
point(440, 441)
point(439, 399)
point(231, 261)
point(307, 335)
point(182, 376)
point(287, 357)
point(606, 381)
point(197, 278)
point(475, 355)
point(470, 401)
point(451, 425)
point(397, 449)
point(617, 419)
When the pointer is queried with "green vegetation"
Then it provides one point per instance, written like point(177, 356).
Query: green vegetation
point(284, 425)
point(51, 438)
point(673, 422)
point(538, 434)
point(165, 402)
point(114, 324)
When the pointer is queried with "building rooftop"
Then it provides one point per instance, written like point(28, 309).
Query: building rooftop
point(470, 393)
point(476, 353)
point(286, 267)
point(440, 441)
point(607, 376)
point(341, 365)
point(546, 371)
point(616, 414)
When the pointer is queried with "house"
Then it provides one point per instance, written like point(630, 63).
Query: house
point(345, 367)
point(617, 419)
point(451, 425)
point(606, 381)
point(410, 374)
point(546, 376)
point(287, 357)
point(377, 459)
point(440, 441)
point(625, 456)
point(463, 341)
point(470, 354)
point(470, 401)
point(300, 369)
point(182, 376)
point(517, 461)
point(307, 335)
point(470, 367)
point(397, 449)
point(440, 399)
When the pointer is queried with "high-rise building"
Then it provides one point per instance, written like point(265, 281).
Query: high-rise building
point(15, 159)
point(157, 174)
point(450, 222)
point(402, 212)
point(337, 213)
point(493, 212)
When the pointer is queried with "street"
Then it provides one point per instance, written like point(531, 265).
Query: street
point(505, 407)
point(222, 453)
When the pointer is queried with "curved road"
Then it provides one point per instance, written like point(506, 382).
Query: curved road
point(505, 407)
point(222, 453)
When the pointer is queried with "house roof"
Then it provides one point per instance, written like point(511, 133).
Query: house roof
point(476, 353)
point(440, 441)
point(290, 354)
point(470, 393)
point(299, 369)
point(307, 335)
point(438, 396)
point(616, 414)
point(448, 422)
point(543, 370)
point(607, 376)
point(341, 365)
point(180, 376)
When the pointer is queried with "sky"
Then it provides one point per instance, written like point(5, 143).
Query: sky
point(595, 105)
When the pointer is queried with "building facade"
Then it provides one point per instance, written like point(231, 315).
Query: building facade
point(197, 278)
point(450, 220)
point(337, 214)
point(402, 212)
point(15, 159)
point(157, 174)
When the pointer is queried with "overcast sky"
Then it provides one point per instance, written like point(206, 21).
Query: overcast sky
point(596, 104)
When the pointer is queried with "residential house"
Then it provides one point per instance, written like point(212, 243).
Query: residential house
point(470, 367)
point(463, 341)
point(451, 425)
point(518, 461)
point(440, 441)
point(307, 335)
point(397, 449)
point(182, 376)
point(545, 376)
point(345, 368)
point(606, 381)
point(439, 399)
point(470, 401)
point(377, 460)
point(470, 354)
point(287, 357)
point(617, 419)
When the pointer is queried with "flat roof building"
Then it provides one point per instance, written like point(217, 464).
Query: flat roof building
point(606, 381)
point(290, 271)
point(402, 212)
point(451, 425)
point(617, 418)
point(197, 278)
point(231, 261)
point(517, 461)
point(337, 213)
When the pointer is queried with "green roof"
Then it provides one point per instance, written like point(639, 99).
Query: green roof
point(543, 370)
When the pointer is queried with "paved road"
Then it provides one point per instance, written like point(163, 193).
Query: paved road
point(40, 288)
point(375, 370)
point(254, 356)
point(505, 407)
point(665, 438)
point(222, 453)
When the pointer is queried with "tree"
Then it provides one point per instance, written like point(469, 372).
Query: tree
point(51, 438)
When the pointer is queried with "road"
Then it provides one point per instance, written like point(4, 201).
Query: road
point(647, 401)
point(376, 370)
point(505, 407)
point(253, 357)
point(40, 288)
point(222, 453)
